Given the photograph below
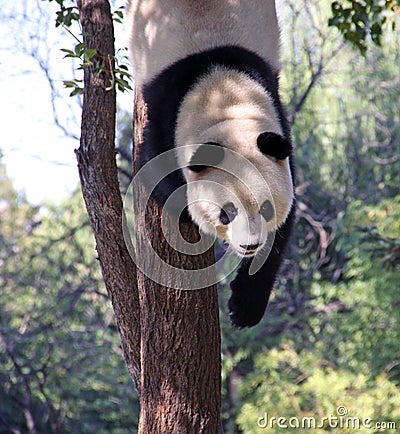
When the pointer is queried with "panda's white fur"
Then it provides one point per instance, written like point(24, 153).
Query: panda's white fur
point(208, 70)
point(229, 108)
point(164, 31)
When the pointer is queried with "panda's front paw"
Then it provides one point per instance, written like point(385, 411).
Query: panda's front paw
point(245, 311)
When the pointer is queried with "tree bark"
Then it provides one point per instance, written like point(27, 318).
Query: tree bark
point(98, 174)
point(180, 334)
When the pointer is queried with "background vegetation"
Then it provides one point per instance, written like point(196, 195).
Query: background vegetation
point(332, 331)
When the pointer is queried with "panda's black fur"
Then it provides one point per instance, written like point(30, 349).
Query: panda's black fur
point(163, 96)
point(250, 293)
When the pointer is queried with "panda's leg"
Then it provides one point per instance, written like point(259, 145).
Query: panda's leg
point(250, 293)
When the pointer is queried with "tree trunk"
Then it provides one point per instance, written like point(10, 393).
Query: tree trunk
point(99, 180)
point(180, 334)
point(170, 337)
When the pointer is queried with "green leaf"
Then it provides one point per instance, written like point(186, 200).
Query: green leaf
point(80, 48)
point(89, 53)
point(70, 53)
point(77, 91)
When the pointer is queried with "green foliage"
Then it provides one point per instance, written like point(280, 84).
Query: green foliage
point(66, 15)
point(359, 19)
point(303, 385)
point(122, 76)
point(60, 356)
point(83, 54)
point(379, 227)
point(87, 57)
point(118, 15)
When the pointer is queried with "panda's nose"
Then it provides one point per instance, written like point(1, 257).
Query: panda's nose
point(250, 247)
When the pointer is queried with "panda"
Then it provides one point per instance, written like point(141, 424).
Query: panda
point(208, 71)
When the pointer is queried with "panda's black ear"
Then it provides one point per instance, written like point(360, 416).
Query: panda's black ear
point(207, 155)
point(274, 145)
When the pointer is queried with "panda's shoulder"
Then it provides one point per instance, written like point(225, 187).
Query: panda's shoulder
point(177, 79)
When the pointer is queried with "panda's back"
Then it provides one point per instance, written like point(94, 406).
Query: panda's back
point(165, 31)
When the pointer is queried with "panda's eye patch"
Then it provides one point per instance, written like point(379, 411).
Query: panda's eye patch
point(267, 210)
point(228, 213)
point(209, 154)
point(274, 145)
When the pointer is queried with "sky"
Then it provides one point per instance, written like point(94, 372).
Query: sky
point(38, 155)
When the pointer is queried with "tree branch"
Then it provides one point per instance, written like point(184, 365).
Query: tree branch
point(317, 63)
point(27, 402)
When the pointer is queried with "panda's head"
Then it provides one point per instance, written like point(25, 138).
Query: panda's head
point(239, 183)
point(241, 197)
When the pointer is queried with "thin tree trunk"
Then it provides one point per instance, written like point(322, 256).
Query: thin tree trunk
point(99, 180)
